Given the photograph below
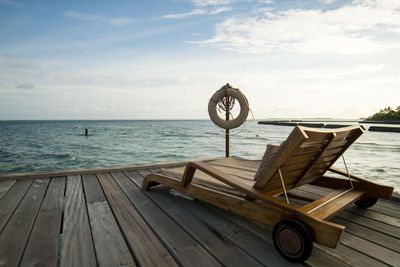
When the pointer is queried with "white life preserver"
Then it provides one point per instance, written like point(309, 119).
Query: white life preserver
point(244, 108)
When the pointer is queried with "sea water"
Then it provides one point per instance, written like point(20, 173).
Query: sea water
point(27, 146)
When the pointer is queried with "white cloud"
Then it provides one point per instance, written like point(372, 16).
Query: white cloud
point(266, 1)
point(327, 2)
point(219, 10)
point(358, 91)
point(116, 21)
point(203, 7)
point(196, 12)
point(362, 27)
point(212, 2)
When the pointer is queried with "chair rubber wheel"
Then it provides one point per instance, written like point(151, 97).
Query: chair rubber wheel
point(366, 202)
point(292, 240)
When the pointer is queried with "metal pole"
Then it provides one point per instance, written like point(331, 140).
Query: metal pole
point(227, 118)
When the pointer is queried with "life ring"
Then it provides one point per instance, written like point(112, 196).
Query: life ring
point(218, 96)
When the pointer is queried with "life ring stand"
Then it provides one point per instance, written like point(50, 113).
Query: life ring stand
point(228, 91)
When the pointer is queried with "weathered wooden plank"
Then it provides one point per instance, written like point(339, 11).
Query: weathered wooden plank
point(371, 250)
point(351, 257)
point(389, 204)
point(42, 246)
point(148, 250)
point(93, 192)
point(323, 256)
point(16, 233)
point(385, 210)
point(179, 243)
point(5, 186)
point(11, 200)
point(216, 244)
point(388, 219)
point(369, 234)
point(110, 246)
point(111, 249)
point(77, 246)
point(372, 224)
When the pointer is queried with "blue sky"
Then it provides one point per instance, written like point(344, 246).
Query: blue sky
point(164, 59)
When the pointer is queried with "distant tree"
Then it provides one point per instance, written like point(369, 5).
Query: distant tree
point(386, 114)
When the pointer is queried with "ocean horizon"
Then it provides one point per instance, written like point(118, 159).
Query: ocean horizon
point(54, 145)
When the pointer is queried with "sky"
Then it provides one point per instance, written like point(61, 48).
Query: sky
point(164, 59)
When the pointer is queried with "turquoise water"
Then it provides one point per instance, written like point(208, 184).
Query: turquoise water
point(55, 145)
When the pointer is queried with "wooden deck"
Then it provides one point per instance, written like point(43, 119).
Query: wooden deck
point(103, 218)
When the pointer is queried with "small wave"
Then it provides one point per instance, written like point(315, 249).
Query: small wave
point(54, 156)
point(173, 134)
point(168, 156)
point(5, 155)
point(367, 143)
point(260, 138)
point(16, 167)
point(33, 145)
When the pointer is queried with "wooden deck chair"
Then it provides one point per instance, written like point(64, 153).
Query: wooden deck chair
point(259, 189)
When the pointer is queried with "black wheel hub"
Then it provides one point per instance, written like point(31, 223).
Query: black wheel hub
point(293, 240)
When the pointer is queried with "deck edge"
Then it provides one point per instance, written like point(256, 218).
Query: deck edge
point(60, 173)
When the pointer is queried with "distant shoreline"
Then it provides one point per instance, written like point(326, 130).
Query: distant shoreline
point(329, 124)
point(381, 122)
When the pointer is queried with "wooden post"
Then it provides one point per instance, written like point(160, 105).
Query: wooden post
point(227, 118)
point(86, 132)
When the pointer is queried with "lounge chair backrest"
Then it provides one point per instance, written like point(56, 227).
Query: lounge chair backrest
point(304, 157)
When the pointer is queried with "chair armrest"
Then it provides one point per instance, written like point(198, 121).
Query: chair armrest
point(340, 172)
point(370, 188)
